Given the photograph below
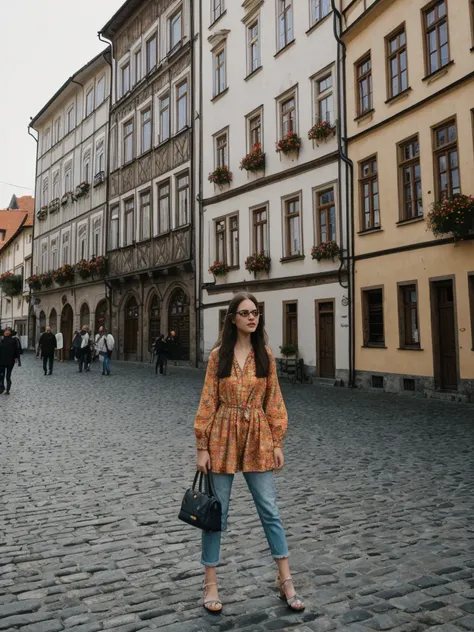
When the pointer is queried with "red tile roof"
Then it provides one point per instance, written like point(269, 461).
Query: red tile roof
point(27, 203)
point(10, 224)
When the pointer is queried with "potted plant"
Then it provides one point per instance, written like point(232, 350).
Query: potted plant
point(84, 269)
point(321, 131)
point(99, 265)
point(258, 262)
point(46, 279)
point(42, 213)
point(82, 189)
point(454, 214)
point(99, 178)
point(254, 160)
point(54, 205)
point(289, 349)
point(11, 284)
point(65, 198)
point(289, 144)
point(64, 274)
point(326, 250)
point(220, 176)
point(219, 268)
point(34, 282)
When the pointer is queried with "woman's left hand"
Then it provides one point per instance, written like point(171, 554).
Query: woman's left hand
point(279, 458)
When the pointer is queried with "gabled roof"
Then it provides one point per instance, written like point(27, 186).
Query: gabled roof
point(11, 223)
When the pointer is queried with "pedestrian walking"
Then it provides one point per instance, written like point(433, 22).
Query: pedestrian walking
point(47, 346)
point(18, 342)
point(59, 346)
point(161, 351)
point(172, 345)
point(75, 351)
point(9, 354)
point(90, 350)
point(240, 426)
point(104, 345)
point(84, 349)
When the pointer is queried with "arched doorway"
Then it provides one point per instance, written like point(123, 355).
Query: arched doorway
point(178, 319)
point(53, 321)
point(131, 329)
point(85, 315)
point(67, 320)
point(155, 320)
point(42, 321)
point(101, 315)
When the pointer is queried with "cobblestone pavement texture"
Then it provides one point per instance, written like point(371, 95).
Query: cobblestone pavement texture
point(377, 495)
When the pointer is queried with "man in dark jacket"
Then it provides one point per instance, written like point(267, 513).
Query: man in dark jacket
point(47, 344)
point(9, 354)
point(172, 345)
point(161, 350)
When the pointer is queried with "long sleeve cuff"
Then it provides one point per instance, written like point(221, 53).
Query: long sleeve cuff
point(202, 444)
point(277, 443)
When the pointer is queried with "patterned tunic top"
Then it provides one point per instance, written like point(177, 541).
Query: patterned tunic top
point(242, 418)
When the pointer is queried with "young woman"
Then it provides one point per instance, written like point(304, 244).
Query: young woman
point(240, 426)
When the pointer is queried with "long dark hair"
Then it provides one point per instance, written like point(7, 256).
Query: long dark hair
point(228, 338)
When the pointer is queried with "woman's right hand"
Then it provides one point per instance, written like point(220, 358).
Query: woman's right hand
point(203, 461)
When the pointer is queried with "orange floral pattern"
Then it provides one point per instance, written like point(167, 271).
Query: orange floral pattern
point(242, 418)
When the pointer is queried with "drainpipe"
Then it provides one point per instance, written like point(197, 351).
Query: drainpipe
point(201, 193)
point(194, 254)
point(342, 146)
point(33, 232)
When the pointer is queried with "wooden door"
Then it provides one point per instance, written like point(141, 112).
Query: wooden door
point(178, 320)
point(447, 356)
point(326, 351)
point(67, 318)
point(131, 330)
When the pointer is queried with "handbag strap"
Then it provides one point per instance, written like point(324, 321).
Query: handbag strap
point(204, 480)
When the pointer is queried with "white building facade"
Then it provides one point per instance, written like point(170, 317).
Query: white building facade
point(71, 193)
point(269, 69)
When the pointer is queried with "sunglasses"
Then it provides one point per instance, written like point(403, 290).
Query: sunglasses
point(245, 313)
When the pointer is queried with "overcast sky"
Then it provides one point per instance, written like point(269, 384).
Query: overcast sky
point(43, 43)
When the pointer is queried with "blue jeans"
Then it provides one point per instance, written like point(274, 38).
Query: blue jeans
point(106, 364)
point(262, 488)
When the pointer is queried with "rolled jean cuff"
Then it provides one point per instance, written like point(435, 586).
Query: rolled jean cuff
point(281, 557)
point(210, 564)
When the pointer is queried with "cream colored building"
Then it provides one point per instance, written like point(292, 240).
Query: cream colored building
point(410, 100)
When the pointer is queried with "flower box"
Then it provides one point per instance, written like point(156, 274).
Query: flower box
point(65, 198)
point(54, 205)
point(326, 250)
point(99, 178)
point(84, 269)
point(46, 279)
point(82, 189)
point(289, 144)
point(11, 284)
point(321, 131)
point(258, 262)
point(220, 176)
point(254, 160)
point(34, 282)
point(99, 266)
point(219, 268)
point(64, 274)
point(42, 213)
point(454, 215)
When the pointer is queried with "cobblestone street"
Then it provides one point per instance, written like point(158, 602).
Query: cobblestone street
point(377, 495)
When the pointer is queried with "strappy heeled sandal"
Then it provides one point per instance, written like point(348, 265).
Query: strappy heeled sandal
point(294, 603)
point(211, 602)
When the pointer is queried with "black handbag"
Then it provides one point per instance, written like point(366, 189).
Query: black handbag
point(200, 507)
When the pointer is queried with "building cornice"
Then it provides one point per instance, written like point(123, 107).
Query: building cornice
point(417, 246)
point(218, 38)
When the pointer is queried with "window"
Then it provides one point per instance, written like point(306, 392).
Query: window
point(45, 192)
point(410, 179)
point(217, 9)
point(99, 156)
point(397, 72)
point(125, 78)
point(54, 254)
point(408, 316)
point(324, 110)
point(86, 166)
point(70, 119)
point(182, 199)
point(372, 306)
point(100, 91)
point(325, 216)
point(182, 105)
point(67, 177)
point(175, 25)
point(97, 237)
point(288, 115)
point(146, 130)
point(219, 72)
point(128, 141)
point(364, 86)
point(436, 36)
point(163, 208)
point(292, 223)
point(445, 160)
point(290, 326)
point(47, 140)
point(44, 257)
point(138, 65)
point(221, 150)
point(220, 233)
point(369, 190)
point(164, 105)
point(253, 46)
point(89, 101)
point(57, 130)
point(151, 48)
point(82, 241)
point(65, 248)
point(129, 219)
point(114, 227)
point(234, 241)
point(145, 215)
point(260, 230)
point(56, 192)
point(319, 10)
point(285, 23)
point(255, 130)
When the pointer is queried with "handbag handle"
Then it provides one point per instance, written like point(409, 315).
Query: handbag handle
point(199, 476)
